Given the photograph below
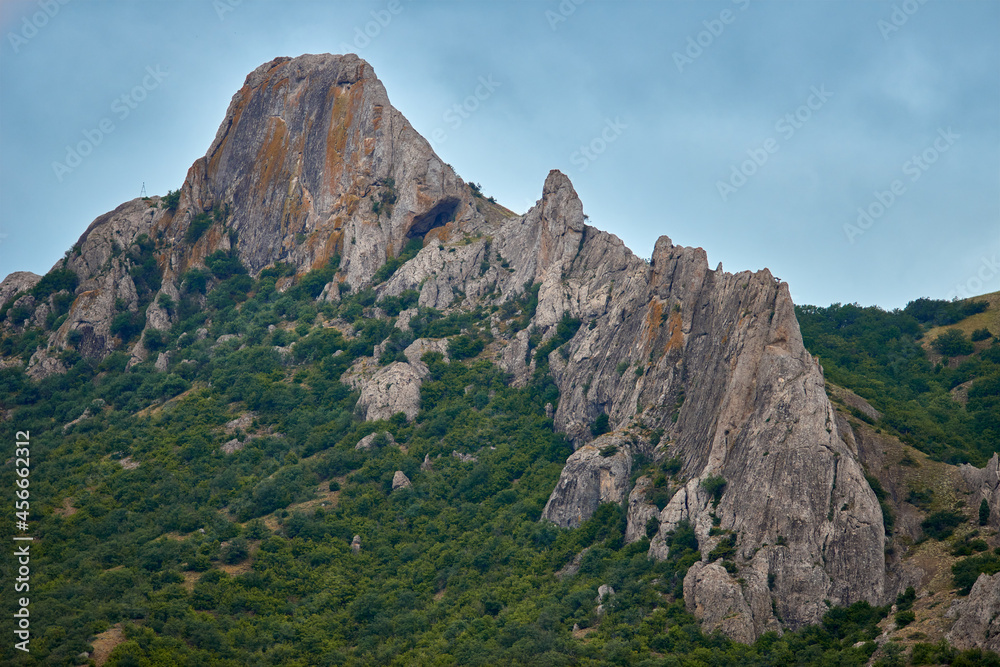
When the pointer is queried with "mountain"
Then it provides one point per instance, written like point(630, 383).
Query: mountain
point(329, 391)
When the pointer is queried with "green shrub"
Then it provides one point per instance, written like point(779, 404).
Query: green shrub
point(965, 572)
point(601, 425)
point(981, 334)
point(940, 525)
point(199, 224)
point(952, 343)
point(714, 486)
point(171, 199)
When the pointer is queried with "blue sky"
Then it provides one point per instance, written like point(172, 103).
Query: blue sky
point(754, 129)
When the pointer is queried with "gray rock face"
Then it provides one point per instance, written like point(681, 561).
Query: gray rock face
point(386, 390)
point(978, 616)
point(986, 481)
point(639, 511)
point(371, 440)
point(596, 473)
point(400, 480)
point(306, 146)
point(19, 281)
point(723, 372)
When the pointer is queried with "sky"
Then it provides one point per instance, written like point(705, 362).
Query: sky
point(850, 146)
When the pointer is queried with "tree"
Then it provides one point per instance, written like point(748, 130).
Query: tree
point(984, 513)
point(952, 343)
point(600, 425)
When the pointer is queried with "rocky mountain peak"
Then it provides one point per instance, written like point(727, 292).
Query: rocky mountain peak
point(655, 363)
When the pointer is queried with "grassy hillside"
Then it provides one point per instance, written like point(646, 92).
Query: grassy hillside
point(942, 398)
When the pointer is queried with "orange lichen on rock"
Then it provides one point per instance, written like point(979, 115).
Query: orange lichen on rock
point(674, 325)
point(341, 117)
point(654, 318)
point(270, 157)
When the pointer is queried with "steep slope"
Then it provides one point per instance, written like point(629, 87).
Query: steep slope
point(310, 162)
point(314, 175)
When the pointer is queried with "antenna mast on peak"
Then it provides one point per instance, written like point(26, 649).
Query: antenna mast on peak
point(143, 193)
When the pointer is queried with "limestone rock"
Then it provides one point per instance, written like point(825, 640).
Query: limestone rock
point(162, 361)
point(241, 423)
point(985, 483)
point(978, 616)
point(356, 544)
point(372, 440)
point(19, 281)
point(232, 446)
point(604, 591)
point(400, 481)
point(422, 346)
point(639, 511)
point(391, 389)
point(716, 599)
point(596, 473)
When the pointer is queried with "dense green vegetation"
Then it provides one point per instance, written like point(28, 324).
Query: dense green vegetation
point(245, 558)
point(878, 355)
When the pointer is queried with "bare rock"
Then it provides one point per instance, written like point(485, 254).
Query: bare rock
point(426, 465)
point(978, 616)
point(604, 591)
point(162, 361)
point(356, 544)
point(639, 511)
point(373, 440)
point(386, 390)
point(464, 458)
point(241, 423)
point(984, 483)
point(421, 346)
point(717, 600)
point(596, 473)
point(403, 320)
point(400, 481)
point(17, 282)
point(232, 446)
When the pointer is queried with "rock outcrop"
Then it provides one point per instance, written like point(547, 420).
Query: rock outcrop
point(596, 473)
point(985, 481)
point(400, 480)
point(977, 623)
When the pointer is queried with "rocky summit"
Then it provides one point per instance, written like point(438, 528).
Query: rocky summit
point(659, 365)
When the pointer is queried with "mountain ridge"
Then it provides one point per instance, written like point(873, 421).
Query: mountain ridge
point(671, 381)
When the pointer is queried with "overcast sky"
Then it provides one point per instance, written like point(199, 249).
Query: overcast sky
point(757, 130)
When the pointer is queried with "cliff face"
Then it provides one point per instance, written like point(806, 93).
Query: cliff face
point(312, 161)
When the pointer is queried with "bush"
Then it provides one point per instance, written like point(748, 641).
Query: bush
point(224, 264)
point(984, 512)
point(199, 224)
point(601, 425)
point(464, 347)
point(965, 572)
point(981, 334)
point(171, 199)
point(940, 525)
point(952, 343)
point(714, 486)
point(156, 340)
point(904, 618)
